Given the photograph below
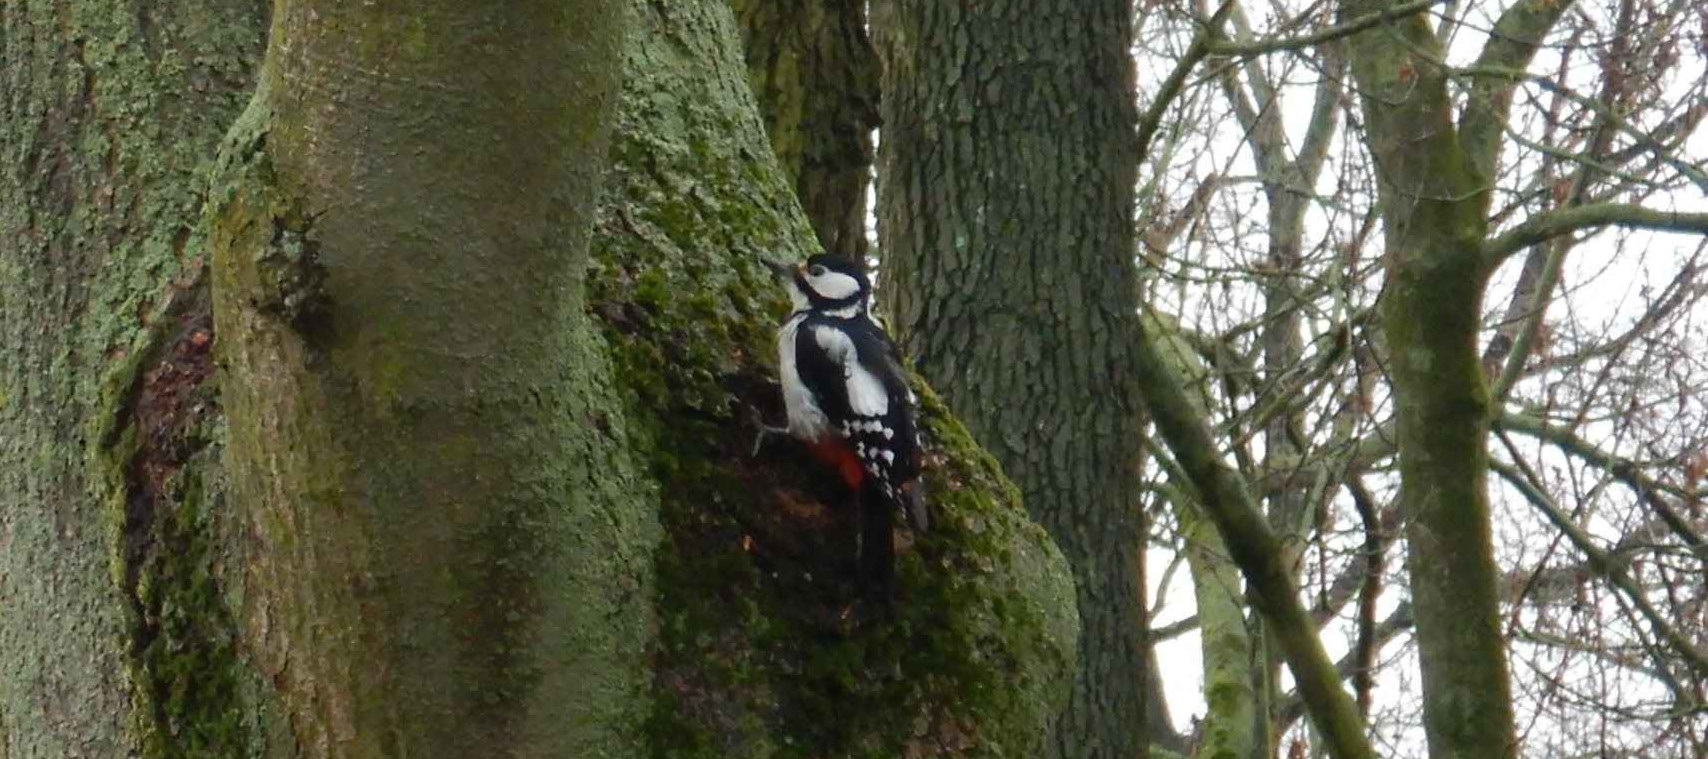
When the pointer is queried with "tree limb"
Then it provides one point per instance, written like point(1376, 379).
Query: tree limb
point(1255, 548)
point(1623, 469)
point(1398, 621)
point(1599, 560)
point(1171, 87)
point(1646, 139)
point(1546, 226)
point(1512, 43)
point(1329, 34)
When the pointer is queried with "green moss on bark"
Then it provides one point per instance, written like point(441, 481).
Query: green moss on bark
point(1435, 204)
point(158, 430)
point(114, 105)
point(451, 535)
point(764, 650)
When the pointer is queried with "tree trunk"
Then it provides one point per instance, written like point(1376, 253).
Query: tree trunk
point(1434, 204)
point(1233, 725)
point(112, 642)
point(1005, 214)
point(763, 652)
point(477, 491)
point(815, 75)
point(436, 568)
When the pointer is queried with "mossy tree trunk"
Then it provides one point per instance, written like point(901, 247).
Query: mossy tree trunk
point(1434, 196)
point(815, 75)
point(1433, 203)
point(443, 550)
point(1233, 725)
point(762, 651)
point(1005, 219)
point(111, 636)
point(451, 429)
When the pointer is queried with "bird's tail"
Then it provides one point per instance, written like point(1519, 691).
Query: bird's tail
point(877, 536)
point(877, 540)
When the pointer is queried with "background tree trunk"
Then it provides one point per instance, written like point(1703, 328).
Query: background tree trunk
point(1005, 214)
point(815, 76)
point(1434, 204)
point(1295, 506)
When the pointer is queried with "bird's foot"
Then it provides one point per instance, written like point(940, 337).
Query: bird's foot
point(765, 431)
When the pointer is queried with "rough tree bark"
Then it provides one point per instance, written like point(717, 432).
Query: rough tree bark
point(814, 72)
point(761, 654)
point(1005, 215)
point(110, 107)
point(158, 604)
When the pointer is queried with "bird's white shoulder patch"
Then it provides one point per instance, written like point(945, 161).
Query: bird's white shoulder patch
point(866, 396)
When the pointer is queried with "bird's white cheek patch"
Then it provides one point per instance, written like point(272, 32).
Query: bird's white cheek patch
point(834, 285)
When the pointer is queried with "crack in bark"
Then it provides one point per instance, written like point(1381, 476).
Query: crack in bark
point(155, 431)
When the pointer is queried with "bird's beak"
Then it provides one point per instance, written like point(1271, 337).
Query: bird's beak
point(780, 270)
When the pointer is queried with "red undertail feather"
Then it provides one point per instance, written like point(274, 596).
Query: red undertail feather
point(840, 457)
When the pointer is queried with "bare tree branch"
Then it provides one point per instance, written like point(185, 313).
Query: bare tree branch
point(1646, 139)
point(1254, 547)
point(1599, 561)
point(1328, 34)
point(1546, 226)
point(1512, 43)
point(1196, 52)
point(1622, 469)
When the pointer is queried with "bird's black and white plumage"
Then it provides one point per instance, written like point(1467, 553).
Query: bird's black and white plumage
point(848, 400)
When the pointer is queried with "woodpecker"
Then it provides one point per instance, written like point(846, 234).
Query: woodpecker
point(848, 401)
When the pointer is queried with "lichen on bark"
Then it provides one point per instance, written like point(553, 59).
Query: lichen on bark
point(112, 105)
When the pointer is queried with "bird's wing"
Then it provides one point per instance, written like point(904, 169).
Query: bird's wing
point(885, 355)
point(853, 369)
point(896, 423)
point(821, 369)
point(848, 382)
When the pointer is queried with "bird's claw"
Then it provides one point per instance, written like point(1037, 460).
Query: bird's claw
point(764, 431)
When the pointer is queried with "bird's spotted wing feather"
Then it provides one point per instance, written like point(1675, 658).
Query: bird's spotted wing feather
point(865, 390)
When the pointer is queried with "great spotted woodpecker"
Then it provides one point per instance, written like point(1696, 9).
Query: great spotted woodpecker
point(848, 400)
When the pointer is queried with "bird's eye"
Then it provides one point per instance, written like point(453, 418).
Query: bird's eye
point(818, 270)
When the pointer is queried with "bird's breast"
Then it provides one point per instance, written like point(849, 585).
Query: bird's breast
point(806, 420)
